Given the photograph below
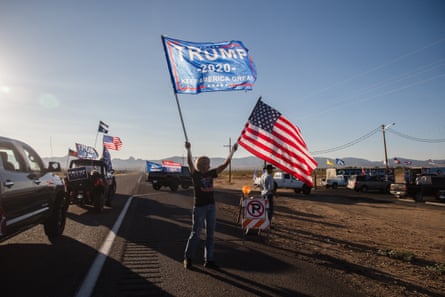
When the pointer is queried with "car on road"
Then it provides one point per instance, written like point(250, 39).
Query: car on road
point(90, 182)
point(365, 183)
point(30, 193)
point(170, 179)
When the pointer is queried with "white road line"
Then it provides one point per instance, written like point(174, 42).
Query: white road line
point(90, 280)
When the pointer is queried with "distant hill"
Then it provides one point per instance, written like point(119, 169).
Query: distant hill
point(254, 162)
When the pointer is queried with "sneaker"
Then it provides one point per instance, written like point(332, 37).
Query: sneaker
point(187, 263)
point(211, 265)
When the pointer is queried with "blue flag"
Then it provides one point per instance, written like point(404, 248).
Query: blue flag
point(339, 162)
point(207, 67)
point(153, 167)
point(107, 159)
point(86, 152)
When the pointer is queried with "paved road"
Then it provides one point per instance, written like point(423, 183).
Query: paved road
point(147, 257)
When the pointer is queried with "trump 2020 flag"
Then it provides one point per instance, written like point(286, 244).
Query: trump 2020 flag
point(86, 152)
point(273, 138)
point(207, 66)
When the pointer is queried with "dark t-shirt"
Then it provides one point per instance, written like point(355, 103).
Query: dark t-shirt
point(203, 184)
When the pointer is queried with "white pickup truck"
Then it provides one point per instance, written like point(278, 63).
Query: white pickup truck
point(334, 182)
point(283, 180)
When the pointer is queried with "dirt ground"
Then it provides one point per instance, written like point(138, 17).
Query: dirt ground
point(377, 244)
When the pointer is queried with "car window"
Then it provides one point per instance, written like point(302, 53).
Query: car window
point(10, 159)
point(34, 161)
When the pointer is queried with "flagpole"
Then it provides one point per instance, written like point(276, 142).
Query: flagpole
point(180, 116)
point(176, 94)
point(95, 142)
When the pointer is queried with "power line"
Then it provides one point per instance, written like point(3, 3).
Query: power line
point(416, 138)
point(369, 134)
point(349, 144)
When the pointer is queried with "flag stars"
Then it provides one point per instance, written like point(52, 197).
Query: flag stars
point(264, 116)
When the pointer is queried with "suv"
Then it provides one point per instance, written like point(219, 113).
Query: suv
point(89, 182)
point(30, 194)
point(364, 183)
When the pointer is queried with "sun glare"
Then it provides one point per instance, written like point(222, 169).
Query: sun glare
point(48, 101)
point(5, 89)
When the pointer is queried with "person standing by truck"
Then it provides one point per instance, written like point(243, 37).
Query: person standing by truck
point(204, 210)
point(268, 188)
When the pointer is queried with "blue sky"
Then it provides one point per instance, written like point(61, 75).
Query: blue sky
point(337, 69)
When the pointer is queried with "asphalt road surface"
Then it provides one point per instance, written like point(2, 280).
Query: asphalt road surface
point(146, 256)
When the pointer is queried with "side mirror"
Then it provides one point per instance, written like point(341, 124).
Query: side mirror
point(54, 167)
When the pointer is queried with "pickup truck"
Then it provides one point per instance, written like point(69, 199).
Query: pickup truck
point(335, 182)
point(30, 193)
point(424, 185)
point(283, 180)
point(170, 179)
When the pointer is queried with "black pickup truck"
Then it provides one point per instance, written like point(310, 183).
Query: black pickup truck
point(424, 185)
point(30, 194)
point(170, 179)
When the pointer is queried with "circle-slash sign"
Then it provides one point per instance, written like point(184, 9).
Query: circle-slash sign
point(255, 208)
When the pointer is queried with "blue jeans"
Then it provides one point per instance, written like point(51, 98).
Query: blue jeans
point(202, 215)
point(270, 210)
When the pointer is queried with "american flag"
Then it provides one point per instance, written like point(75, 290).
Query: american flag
point(72, 153)
point(271, 137)
point(112, 142)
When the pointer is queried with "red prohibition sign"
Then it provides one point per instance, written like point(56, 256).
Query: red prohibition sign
point(255, 208)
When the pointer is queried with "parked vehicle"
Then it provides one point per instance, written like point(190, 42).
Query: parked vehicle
point(335, 182)
point(89, 182)
point(412, 183)
point(30, 194)
point(365, 183)
point(283, 180)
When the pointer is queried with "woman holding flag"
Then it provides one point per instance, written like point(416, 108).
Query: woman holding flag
point(204, 210)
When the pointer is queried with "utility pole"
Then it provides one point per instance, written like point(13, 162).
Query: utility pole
point(230, 162)
point(384, 147)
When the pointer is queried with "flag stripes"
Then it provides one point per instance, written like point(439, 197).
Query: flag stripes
point(273, 138)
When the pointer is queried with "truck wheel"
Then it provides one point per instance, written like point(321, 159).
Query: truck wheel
point(364, 189)
point(174, 186)
point(156, 187)
point(418, 197)
point(306, 190)
point(98, 201)
point(334, 185)
point(55, 224)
